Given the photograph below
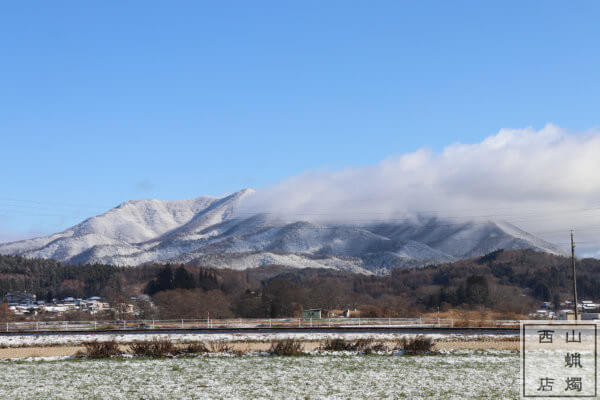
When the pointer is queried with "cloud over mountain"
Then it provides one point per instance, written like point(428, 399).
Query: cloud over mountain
point(546, 181)
point(206, 231)
point(411, 209)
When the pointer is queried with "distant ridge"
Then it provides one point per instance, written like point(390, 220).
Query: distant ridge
point(206, 231)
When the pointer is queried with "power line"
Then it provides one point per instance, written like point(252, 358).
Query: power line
point(574, 276)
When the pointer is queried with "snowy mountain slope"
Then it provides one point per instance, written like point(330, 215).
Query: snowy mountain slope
point(207, 231)
point(123, 226)
point(255, 259)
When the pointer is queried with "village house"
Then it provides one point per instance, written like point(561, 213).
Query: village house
point(25, 304)
point(19, 299)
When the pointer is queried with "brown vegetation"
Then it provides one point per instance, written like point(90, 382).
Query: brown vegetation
point(418, 345)
point(366, 346)
point(287, 347)
point(502, 284)
point(97, 349)
point(192, 304)
point(220, 346)
point(154, 348)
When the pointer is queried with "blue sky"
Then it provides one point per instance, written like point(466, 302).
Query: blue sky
point(109, 101)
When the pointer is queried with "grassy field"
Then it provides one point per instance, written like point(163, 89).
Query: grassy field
point(469, 376)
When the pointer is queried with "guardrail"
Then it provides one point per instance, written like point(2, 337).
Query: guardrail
point(121, 325)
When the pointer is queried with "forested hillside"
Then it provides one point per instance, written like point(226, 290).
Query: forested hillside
point(503, 281)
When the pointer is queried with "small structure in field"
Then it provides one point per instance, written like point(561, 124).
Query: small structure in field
point(567, 315)
point(314, 313)
point(338, 313)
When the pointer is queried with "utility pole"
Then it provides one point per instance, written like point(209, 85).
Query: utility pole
point(574, 277)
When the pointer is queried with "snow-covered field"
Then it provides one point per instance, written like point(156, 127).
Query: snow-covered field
point(46, 340)
point(455, 376)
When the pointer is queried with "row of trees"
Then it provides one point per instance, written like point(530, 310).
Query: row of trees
point(180, 278)
point(510, 281)
point(48, 279)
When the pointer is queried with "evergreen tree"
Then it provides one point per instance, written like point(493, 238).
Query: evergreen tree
point(183, 279)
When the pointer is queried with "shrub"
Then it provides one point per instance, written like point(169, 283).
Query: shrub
point(154, 348)
point(376, 347)
point(336, 345)
point(368, 346)
point(194, 348)
point(97, 349)
point(418, 345)
point(287, 347)
point(220, 346)
point(362, 345)
point(141, 348)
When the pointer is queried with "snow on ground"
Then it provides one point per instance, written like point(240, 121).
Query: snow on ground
point(472, 376)
point(74, 339)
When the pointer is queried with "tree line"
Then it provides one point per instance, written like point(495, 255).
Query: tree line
point(503, 281)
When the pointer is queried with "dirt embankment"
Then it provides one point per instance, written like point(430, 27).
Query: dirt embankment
point(511, 344)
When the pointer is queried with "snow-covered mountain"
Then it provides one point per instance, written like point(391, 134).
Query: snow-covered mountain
point(208, 231)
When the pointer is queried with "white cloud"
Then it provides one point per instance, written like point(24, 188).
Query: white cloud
point(545, 181)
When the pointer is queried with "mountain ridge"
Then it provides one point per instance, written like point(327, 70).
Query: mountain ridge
point(208, 231)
